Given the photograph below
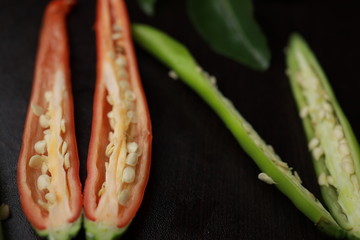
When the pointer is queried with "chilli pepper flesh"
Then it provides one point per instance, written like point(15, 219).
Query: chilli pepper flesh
point(335, 150)
point(48, 166)
point(120, 146)
point(274, 170)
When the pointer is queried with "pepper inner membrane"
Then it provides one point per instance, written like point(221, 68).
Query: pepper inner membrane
point(50, 158)
point(330, 143)
point(122, 152)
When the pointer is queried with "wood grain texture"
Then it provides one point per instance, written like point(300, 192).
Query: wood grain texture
point(202, 185)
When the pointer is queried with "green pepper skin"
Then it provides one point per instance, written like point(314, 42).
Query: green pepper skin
point(64, 233)
point(174, 55)
point(297, 45)
point(100, 231)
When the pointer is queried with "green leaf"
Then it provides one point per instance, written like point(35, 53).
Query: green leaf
point(147, 6)
point(231, 30)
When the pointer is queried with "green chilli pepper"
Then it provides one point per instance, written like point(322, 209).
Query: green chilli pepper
point(178, 58)
point(334, 148)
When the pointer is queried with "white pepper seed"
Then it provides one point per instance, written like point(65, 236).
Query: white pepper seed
point(47, 138)
point(48, 96)
point(110, 114)
point(128, 104)
point(116, 36)
point(296, 175)
point(102, 190)
point(212, 80)
point(132, 159)
point(304, 112)
point(313, 143)
point(247, 127)
point(132, 147)
point(281, 164)
point(130, 95)
point(317, 153)
point(109, 149)
point(338, 132)
point(111, 136)
point(342, 141)
point(44, 121)
point(109, 100)
point(270, 148)
point(47, 131)
point(37, 110)
point(116, 28)
point(64, 148)
point(199, 69)
point(257, 142)
point(355, 182)
point(124, 84)
point(344, 149)
point(111, 55)
point(327, 107)
point(348, 167)
point(330, 118)
point(128, 175)
point(67, 161)
point(50, 197)
point(43, 204)
point(131, 116)
point(322, 180)
point(44, 168)
point(123, 73)
point(43, 182)
point(120, 61)
point(347, 159)
point(112, 123)
point(172, 74)
point(330, 180)
point(265, 178)
point(36, 161)
point(123, 197)
point(40, 146)
point(62, 125)
point(321, 115)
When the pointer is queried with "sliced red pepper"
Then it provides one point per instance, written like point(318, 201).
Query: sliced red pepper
point(48, 167)
point(120, 146)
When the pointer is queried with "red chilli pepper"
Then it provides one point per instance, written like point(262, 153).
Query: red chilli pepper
point(120, 146)
point(48, 167)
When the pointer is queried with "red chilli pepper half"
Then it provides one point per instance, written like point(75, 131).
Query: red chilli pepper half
point(120, 146)
point(48, 167)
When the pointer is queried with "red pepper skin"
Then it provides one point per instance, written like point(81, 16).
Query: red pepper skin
point(116, 9)
point(52, 58)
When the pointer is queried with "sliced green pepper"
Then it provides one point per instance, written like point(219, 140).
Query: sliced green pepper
point(178, 58)
point(335, 150)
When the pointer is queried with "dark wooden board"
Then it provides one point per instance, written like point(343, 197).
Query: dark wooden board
point(202, 184)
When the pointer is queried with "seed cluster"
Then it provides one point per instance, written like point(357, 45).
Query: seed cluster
point(324, 120)
point(212, 80)
point(127, 106)
point(40, 160)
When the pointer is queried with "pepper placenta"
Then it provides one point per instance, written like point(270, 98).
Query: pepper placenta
point(120, 146)
point(174, 55)
point(48, 166)
point(335, 150)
